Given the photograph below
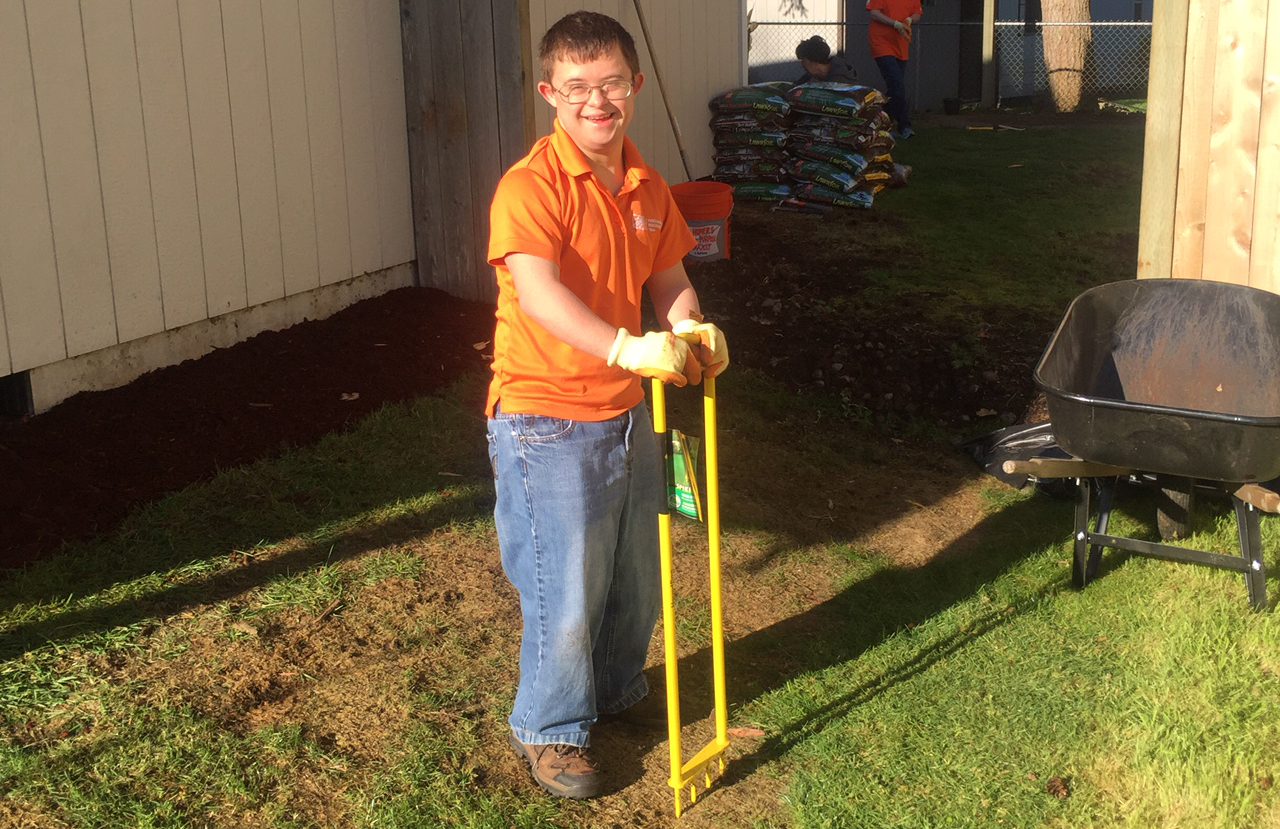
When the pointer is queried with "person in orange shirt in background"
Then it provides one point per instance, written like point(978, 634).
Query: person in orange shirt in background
point(889, 35)
point(581, 227)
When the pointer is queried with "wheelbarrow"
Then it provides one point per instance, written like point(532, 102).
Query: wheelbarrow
point(1175, 381)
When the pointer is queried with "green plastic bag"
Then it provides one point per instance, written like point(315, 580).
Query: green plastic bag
point(682, 476)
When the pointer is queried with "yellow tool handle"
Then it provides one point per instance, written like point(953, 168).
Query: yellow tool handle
point(682, 774)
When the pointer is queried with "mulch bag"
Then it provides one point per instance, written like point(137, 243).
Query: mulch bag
point(749, 139)
point(807, 191)
point(838, 99)
point(751, 120)
point(876, 143)
point(846, 160)
point(827, 175)
point(819, 129)
point(768, 171)
point(766, 97)
point(761, 191)
point(744, 155)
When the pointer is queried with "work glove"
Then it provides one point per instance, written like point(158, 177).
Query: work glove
point(712, 339)
point(659, 354)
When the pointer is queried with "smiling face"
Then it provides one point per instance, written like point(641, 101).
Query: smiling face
point(599, 125)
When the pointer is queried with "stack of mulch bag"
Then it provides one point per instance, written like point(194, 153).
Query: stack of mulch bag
point(816, 143)
point(749, 131)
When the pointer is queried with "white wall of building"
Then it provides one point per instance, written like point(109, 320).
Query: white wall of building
point(165, 164)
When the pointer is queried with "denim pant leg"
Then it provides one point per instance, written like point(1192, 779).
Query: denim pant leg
point(576, 516)
point(894, 72)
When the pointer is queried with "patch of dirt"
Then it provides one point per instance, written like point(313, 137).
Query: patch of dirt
point(790, 294)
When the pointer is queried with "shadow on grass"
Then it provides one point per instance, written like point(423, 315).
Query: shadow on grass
point(213, 542)
point(863, 616)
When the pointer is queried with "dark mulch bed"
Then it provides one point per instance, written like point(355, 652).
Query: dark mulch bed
point(80, 468)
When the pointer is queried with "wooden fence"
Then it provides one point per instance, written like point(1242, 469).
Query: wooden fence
point(1211, 177)
point(465, 86)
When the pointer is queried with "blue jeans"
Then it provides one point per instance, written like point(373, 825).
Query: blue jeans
point(894, 72)
point(577, 519)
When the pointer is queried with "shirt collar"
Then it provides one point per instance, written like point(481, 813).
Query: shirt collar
point(575, 163)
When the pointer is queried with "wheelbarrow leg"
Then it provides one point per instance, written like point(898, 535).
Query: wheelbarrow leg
point(1255, 577)
point(1088, 557)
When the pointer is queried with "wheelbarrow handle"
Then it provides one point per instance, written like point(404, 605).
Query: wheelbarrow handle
point(1063, 468)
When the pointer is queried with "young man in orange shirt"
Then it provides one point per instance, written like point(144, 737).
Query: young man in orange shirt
point(579, 229)
point(889, 35)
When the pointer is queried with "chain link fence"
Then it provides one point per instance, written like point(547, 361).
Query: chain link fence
point(946, 58)
point(1116, 64)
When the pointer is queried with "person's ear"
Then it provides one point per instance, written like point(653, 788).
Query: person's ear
point(637, 83)
point(548, 94)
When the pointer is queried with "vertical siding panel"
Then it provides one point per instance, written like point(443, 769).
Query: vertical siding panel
point(170, 161)
point(213, 145)
point(355, 97)
point(6, 362)
point(320, 61)
point(32, 321)
point(450, 128)
point(395, 207)
point(291, 148)
point(509, 73)
point(649, 100)
point(694, 63)
point(481, 90)
point(71, 166)
point(1233, 150)
point(242, 29)
point(1193, 172)
point(1160, 150)
point(649, 107)
point(543, 115)
point(424, 156)
point(122, 155)
point(668, 41)
point(1264, 269)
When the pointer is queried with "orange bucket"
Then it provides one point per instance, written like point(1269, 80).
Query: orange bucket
point(705, 206)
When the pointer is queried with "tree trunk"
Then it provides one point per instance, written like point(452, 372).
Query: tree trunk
point(1065, 50)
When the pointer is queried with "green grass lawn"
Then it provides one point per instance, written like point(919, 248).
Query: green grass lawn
point(324, 640)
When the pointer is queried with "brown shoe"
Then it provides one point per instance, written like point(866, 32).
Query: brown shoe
point(564, 771)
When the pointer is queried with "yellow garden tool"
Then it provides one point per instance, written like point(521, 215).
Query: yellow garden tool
point(710, 760)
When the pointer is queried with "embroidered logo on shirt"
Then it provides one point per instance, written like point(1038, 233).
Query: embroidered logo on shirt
point(642, 224)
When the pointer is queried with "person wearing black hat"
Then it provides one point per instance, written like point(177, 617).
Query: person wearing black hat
point(820, 65)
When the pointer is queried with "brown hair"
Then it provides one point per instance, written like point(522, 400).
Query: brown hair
point(584, 36)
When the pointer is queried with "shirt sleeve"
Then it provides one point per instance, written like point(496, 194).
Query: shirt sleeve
point(525, 217)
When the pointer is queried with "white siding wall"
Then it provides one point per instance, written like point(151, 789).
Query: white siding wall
point(700, 47)
point(164, 162)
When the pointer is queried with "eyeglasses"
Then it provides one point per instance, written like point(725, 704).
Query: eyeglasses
point(580, 93)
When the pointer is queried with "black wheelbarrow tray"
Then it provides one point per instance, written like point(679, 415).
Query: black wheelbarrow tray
point(1176, 380)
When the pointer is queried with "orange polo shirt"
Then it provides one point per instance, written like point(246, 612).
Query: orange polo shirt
point(885, 40)
point(550, 205)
